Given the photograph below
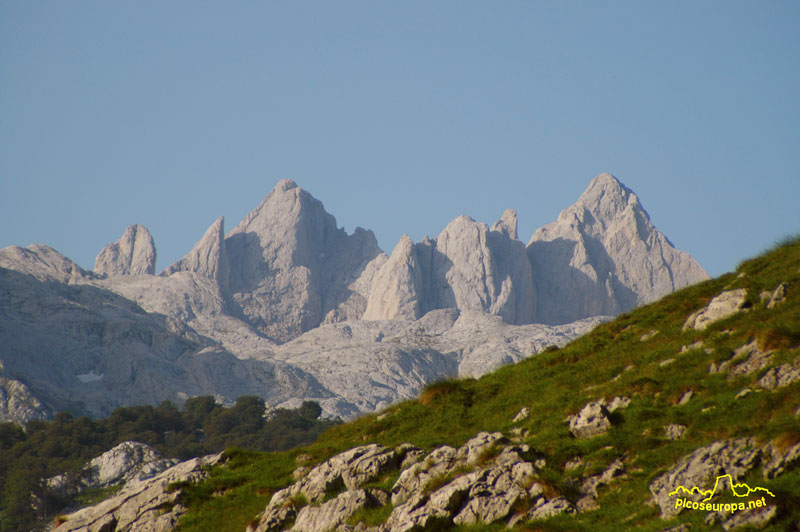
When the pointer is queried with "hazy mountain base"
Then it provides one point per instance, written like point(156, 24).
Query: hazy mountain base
point(644, 355)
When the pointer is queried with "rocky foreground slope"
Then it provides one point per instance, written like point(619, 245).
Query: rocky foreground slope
point(681, 415)
point(290, 307)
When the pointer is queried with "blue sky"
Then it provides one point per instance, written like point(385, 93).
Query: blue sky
point(398, 116)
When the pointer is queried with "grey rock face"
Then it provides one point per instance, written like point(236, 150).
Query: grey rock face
point(350, 469)
point(782, 458)
point(732, 457)
point(82, 347)
point(473, 268)
point(133, 254)
point(486, 494)
point(396, 290)
point(125, 462)
point(43, 263)
point(142, 505)
point(208, 257)
point(331, 514)
point(757, 518)
point(603, 256)
point(468, 267)
point(591, 421)
point(291, 267)
point(777, 297)
point(371, 364)
point(17, 404)
point(780, 376)
point(720, 307)
point(588, 499)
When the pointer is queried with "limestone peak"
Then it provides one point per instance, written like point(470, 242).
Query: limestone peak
point(606, 198)
point(507, 224)
point(133, 254)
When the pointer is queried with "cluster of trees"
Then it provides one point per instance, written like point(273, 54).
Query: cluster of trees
point(47, 448)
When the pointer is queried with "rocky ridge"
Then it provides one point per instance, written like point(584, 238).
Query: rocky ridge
point(126, 462)
point(151, 504)
point(270, 306)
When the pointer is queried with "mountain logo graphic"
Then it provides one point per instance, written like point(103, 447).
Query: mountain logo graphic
point(738, 490)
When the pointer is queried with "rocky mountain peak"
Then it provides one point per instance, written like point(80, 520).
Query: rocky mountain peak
point(603, 256)
point(507, 224)
point(606, 199)
point(133, 254)
point(285, 184)
point(208, 256)
point(291, 267)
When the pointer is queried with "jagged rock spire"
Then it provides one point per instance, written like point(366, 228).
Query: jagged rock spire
point(208, 256)
point(133, 254)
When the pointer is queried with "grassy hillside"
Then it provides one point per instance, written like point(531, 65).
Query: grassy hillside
point(629, 356)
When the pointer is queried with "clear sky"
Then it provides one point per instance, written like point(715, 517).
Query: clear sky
point(398, 116)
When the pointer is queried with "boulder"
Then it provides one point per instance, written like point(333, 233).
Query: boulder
point(720, 307)
point(674, 432)
point(591, 421)
point(522, 415)
point(482, 495)
point(546, 508)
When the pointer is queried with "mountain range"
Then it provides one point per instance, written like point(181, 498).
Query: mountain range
point(290, 307)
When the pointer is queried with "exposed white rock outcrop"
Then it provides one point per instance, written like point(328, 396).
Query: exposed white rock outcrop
point(778, 296)
point(141, 505)
point(133, 254)
point(17, 404)
point(701, 468)
point(208, 257)
point(720, 307)
point(591, 421)
point(604, 256)
point(483, 481)
point(123, 463)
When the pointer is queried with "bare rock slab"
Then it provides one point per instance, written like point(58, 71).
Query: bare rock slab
point(591, 421)
point(722, 306)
